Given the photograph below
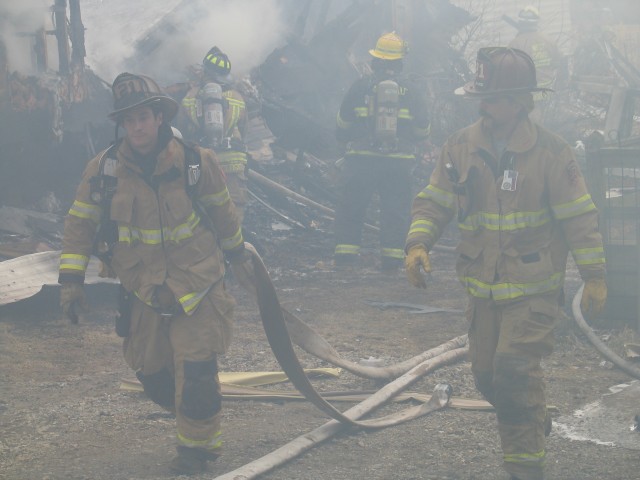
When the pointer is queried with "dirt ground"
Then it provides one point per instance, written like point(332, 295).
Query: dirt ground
point(64, 416)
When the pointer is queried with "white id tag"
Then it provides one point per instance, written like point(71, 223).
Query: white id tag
point(509, 180)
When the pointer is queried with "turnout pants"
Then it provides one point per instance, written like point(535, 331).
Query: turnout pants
point(175, 358)
point(506, 345)
point(361, 178)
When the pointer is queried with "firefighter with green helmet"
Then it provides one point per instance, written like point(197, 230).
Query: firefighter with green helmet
point(381, 122)
point(522, 206)
point(214, 115)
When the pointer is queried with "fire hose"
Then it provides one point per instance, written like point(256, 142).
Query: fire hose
point(605, 351)
point(275, 326)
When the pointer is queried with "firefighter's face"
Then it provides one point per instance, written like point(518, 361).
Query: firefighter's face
point(141, 125)
point(500, 111)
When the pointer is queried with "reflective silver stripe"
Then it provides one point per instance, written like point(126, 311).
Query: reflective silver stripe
point(191, 300)
point(441, 197)
point(155, 236)
point(345, 249)
point(589, 256)
point(185, 230)
point(423, 226)
point(506, 291)
point(574, 208)
point(509, 222)
point(215, 199)
point(231, 157)
point(361, 111)
point(86, 210)
point(148, 237)
point(393, 252)
point(232, 242)
point(72, 261)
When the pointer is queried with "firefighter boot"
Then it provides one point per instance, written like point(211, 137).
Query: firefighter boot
point(190, 461)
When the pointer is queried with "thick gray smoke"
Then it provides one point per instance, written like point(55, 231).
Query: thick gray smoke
point(247, 30)
point(18, 22)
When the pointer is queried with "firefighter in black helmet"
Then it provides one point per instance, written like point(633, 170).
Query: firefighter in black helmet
point(381, 121)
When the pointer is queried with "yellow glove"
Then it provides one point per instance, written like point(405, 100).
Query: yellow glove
point(417, 257)
point(594, 296)
point(73, 300)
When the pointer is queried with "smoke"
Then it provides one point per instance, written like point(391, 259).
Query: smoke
point(246, 30)
point(18, 22)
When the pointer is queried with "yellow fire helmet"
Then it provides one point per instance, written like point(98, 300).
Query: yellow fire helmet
point(389, 47)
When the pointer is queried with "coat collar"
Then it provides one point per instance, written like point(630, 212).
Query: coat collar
point(172, 155)
point(524, 137)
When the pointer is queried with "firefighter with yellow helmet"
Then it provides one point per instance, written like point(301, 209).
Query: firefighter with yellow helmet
point(214, 114)
point(381, 122)
point(522, 205)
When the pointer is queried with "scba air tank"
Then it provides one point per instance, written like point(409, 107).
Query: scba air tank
point(212, 113)
point(387, 96)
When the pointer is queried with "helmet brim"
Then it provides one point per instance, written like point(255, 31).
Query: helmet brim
point(386, 56)
point(469, 90)
point(167, 104)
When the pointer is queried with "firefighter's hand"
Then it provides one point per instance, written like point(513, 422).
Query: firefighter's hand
point(594, 296)
point(73, 301)
point(242, 268)
point(417, 257)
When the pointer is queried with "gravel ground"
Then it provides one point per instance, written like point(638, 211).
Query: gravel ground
point(63, 415)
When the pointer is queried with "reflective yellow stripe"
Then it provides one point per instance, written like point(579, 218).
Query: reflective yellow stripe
point(361, 111)
point(232, 161)
point(423, 226)
point(378, 154)
point(211, 443)
point(506, 291)
point(191, 300)
point(405, 114)
point(86, 210)
point(345, 249)
point(72, 261)
point(393, 252)
point(189, 103)
point(185, 230)
point(439, 196)
point(510, 222)
point(589, 256)
point(235, 110)
point(529, 459)
point(215, 199)
point(573, 209)
point(232, 242)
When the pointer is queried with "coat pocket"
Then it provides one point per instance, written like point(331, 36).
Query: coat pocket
point(533, 325)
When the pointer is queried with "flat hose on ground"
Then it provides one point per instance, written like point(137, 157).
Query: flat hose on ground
point(276, 331)
point(606, 352)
